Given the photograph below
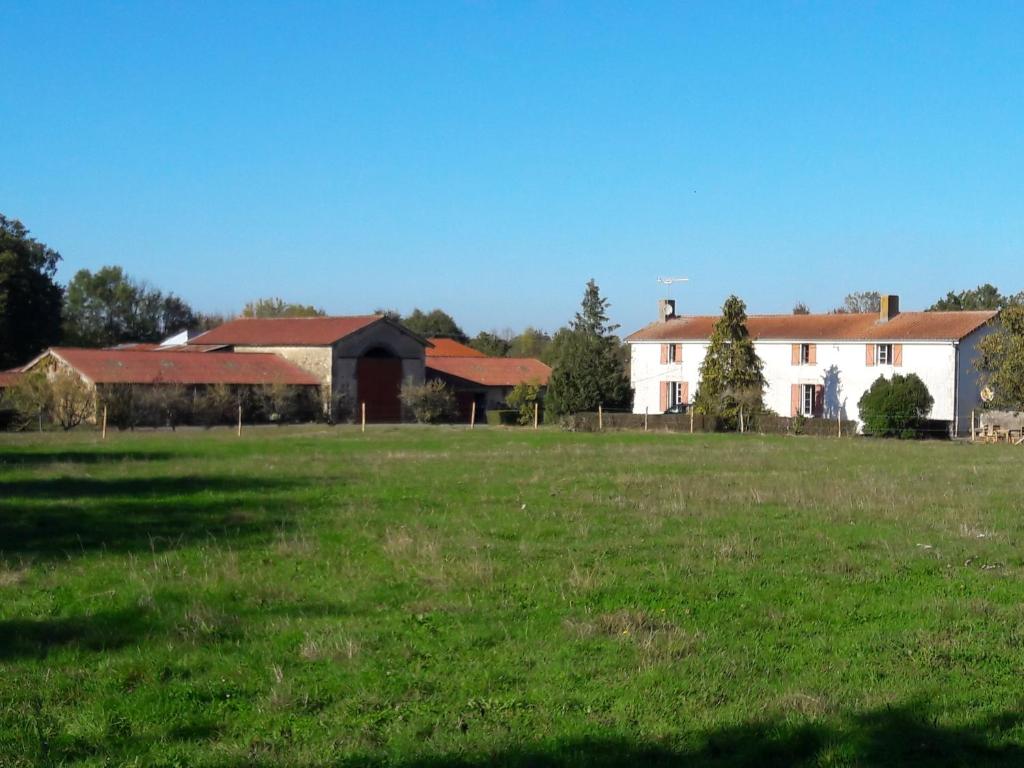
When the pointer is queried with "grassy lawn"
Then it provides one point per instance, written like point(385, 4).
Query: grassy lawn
point(419, 597)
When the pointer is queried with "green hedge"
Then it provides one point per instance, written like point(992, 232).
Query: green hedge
point(503, 418)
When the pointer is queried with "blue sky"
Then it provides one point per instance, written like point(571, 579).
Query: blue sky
point(490, 157)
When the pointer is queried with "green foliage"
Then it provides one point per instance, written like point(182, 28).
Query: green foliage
point(589, 368)
point(275, 307)
point(491, 344)
point(30, 299)
point(32, 397)
point(985, 296)
point(431, 402)
point(108, 307)
point(860, 302)
point(73, 401)
point(731, 375)
point(1001, 359)
point(895, 407)
point(532, 342)
point(434, 324)
point(524, 398)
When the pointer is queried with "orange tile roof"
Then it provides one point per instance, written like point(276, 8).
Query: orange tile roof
point(9, 378)
point(285, 331)
point(492, 371)
point(451, 348)
point(909, 326)
point(120, 366)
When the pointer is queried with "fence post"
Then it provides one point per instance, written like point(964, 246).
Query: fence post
point(600, 418)
point(536, 414)
point(362, 410)
point(104, 423)
point(691, 418)
point(741, 420)
point(645, 419)
point(973, 434)
point(472, 415)
point(239, 419)
point(839, 422)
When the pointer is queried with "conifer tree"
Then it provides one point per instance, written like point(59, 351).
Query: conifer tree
point(731, 375)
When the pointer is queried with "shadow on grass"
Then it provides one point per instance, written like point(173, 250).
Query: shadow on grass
point(85, 456)
point(899, 736)
point(65, 516)
point(108, 630)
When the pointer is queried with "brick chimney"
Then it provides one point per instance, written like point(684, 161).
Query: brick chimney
point(890, 307)
point(666, 309)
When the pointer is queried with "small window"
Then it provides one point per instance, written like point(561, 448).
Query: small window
point(675, 393)
point(805, 354)
point(672, 353)
point(883, 354)
point(807, 399)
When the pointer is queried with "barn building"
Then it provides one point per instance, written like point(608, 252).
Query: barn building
point(818, 366)
point(476, 378)
point(356, 359)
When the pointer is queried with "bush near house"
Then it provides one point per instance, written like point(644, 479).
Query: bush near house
point(430, 403)
point(896, 407)
point(523, 399)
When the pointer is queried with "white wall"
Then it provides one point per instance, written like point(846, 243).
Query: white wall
point(840, 367)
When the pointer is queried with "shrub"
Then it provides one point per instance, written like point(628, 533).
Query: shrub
point(163, 405)
point(430, 403)
point(119, 400)
point(32, 399)
point(895, 407)
point(216, 405)
point(500, 417)
point(73, 399)
point(524, 398)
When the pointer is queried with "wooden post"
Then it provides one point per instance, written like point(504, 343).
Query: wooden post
point(600, 418)
point(472, 415)
point(104, 423)
point(839, 422)
point(536, 414)
point(362, 409)
point(741, 420)
point(973, 434)
point(645, 419)
point(239, 419)
point(691, 419)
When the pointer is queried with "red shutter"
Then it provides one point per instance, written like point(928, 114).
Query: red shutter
point(812, 354)
point(664, 354)
point(664, 396)
point(869, 355)
point(897, 355)
point(795, 354)
point(686, 391)
point(819, 399)
point(679, 353)
point(795, 400)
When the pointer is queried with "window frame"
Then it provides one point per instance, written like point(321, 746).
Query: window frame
point(675, 393)
point(805, 354)
point(888, 356)
point(807, 397)
point(671, 356)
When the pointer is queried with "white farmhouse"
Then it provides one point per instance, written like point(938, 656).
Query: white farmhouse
point(820, 365)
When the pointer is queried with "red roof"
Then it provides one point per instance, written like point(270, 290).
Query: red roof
point(910, 326)
point(451, 348)
point(9, 378)
point(285, 331)
point(492, 371)
point(120, 366)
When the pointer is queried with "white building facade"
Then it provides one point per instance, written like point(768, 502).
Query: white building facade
point(819, 366)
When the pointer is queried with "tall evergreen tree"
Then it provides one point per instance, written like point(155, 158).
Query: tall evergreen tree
point(30, 299)
point(731, 375)
point(589, 369)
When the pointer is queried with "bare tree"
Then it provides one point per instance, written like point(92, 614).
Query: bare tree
point(73, 400)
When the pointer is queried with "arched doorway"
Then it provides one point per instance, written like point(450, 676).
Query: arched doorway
point(379, 379)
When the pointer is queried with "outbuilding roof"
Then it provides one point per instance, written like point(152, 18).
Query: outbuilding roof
point(451, 348)
point(492, 371)
point(9, 378)
point(906, 326)
point(129, 366)
point(285, 331)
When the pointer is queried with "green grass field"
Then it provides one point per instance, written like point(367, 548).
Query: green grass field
point(420, 597)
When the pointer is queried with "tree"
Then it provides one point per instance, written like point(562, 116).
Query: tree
point(801, 309)
point(985, 296)
point(532, 342)
point(860, 302)
point(30, 299)
point(590, 368)
point(109, 307)
point(731, 375)
point(434, 324)
point(525, 397)
point(275, 307)
point(491, 344)
point(1001, 361)
point(32, 397)
point(73, 401)
point(895, 407)
point(390, 314)
point(430, 403)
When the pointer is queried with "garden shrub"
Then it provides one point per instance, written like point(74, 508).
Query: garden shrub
point(430, 403)
point(895, 407)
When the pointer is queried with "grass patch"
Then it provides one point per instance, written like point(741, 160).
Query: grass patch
point(416, 597)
